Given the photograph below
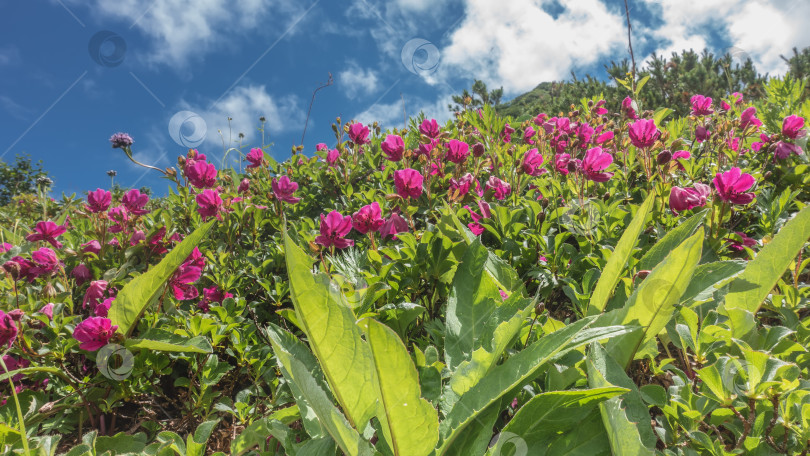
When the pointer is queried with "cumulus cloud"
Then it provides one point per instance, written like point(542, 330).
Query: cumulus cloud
point(390, 115)
point(244, 105)
point(356, 81)
point(184, 32)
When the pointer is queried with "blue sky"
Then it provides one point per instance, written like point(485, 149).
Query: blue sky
point(73, 72)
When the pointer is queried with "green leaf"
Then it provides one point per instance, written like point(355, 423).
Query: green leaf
point(159, 340)
point(516, 370)
point(652, 304)
point(626, 418)
point(539, 421)
point(410, 424)
point(672, 239)
point(332, 420)
point(618, 259)
point(195, 444)
point(709, 278)
point(747, 292)
point(329, 324)
point(255, 436)
point(132, 300)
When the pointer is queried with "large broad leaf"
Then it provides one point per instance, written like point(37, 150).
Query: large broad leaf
point(618, 259)
point(132, 300)
point(709, 277)
point(335, 423)
point(334, 336)
point(672, 239)
point(299, 351)
point(159, 340)
point(626, 418)
point(410, 424)
point(196, 443)
point(516, 370)
point(478, 319)
point(539, 422)
point(652, 304)
point(748, 291)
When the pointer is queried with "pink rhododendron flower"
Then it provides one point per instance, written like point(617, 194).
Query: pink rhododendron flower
point(680, 155)
point(94, 293)
point(334, 228)
point(784, 149)
point(629, 108)
point(212, 295)
point(201, 174)
point(584, 133)
point(368, 218)
point(209, 203)
point(20, 269)
point(500, 188)
point(5, 247)
point(749, 117)
point(8, 330)
point(506, 134)
point(604, 137)
point(725, 106)
point(457, 151)
point(48, 232)
point(358, 133)
point(255, 157)
point(408, 183)
point(244, 186)
point(528, 134)
point(103, 307)
point(98, 201)
point(393, 147)
point(701, 105)
point(429, 128)
point(561, 163)
point(644, 133)
point(81, 273)
point(332, 157)
point(94, 333)
point(738, 97)
point(92, 247)
point(321, 146)
point(283, 189)
point(532, 162)
point(120, 216)
point(393, 225)
point(13, 364)
point(540, 119)
point(594, 162)
point(793, 127)
point(739, 246)
point(135, 201)
point(137, 237)
point(599, 108)
point(732, 184)
point(682, 199)
point(461, 186)
point(45, 261)
point(47, 310)
point(475, 226)
point(186, 275)
point(702, 133)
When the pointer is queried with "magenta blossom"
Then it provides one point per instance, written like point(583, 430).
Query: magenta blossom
point(120, 216)
point(561, 163)
point(408, 183)
point(212, 295)
point(201, 174)
point(20, 269)
point(135, 201)
point(393, 147)
point(8, 330)
point(500, 188)
point(81, 273)
point(528, 134)
point(793, 127)
point(749, 117)
point(393, 225)
point(629, 108)
point(682, 199)
point(475, 226)
point(94, 333)
point(209, 203)
point(92, 247)
point(732, 184)
point(244, 186)
point(506, 134)
point(461, 186)
point(594, 162)
point(368, 218)
point(94, 293)
point(47, 310)
point(429, 128)
point(701, 105)
point(644, 133)
point(48, 232)
point(599, 108)
point(532, 162)
point(740, 245)
point(604, 137)
point(784, 149)
point(358, 133)
point(255, 157)
point(540, 119)
point(45, 260)
point(321, 146)
point(103, 308)
point(332, 157)
point(457, 151)
point(702, 133)
point(186, 275)
point(98, 201)
point(5, 247)
point(283, 189)
point(334, 228)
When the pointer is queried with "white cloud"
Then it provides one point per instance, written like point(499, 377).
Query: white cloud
point(390, 115)
point(356, 81)
point(244, 105)
point(518, 45)
point(182, 32)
